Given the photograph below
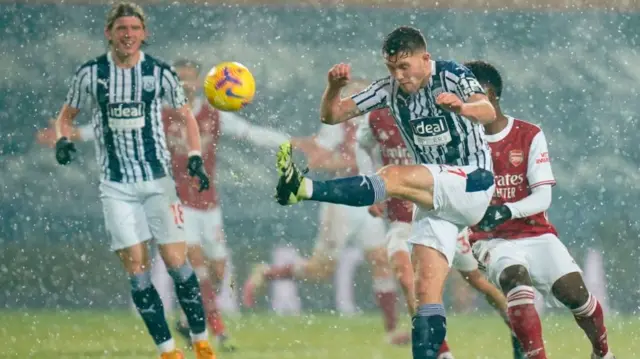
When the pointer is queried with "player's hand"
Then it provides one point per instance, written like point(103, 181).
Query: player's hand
point(195, 167)
point(493, 217)
point(376, 210)
point(339, 75)
point(65, 151)
point(450, 102)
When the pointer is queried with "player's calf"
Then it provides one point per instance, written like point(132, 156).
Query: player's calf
point(571, 291)
point(523, 317)
point(190, 299)
point(429, 324)
point(149, 305)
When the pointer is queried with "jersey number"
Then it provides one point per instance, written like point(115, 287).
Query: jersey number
point(178, 215)
point(455, 170)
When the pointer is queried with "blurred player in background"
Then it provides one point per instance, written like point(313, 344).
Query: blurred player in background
point(440, 108)
point(199, 213)
point(381, 143)
point(515, 241)
point(332, 150)
point(127, 88)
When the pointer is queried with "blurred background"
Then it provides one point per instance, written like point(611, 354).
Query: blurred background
point(569, 66)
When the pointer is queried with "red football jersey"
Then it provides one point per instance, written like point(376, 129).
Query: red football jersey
point(380, 131)
point(209, 122)
point(520, 162)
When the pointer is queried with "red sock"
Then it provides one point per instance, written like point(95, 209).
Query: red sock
point(387, 298)
point(525, 321)
point(214, 318)
point(444, 348)
point(279, 272)
point(591, 319)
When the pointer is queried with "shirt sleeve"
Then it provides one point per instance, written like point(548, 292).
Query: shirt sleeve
point(330, 136)
point(173, 93)
point(80, 88)
point(461, 81)
point(373, 97)
point(233, 125)
point(538, 201)
point(539, 171)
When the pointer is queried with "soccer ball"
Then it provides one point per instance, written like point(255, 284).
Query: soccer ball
point(229, 86)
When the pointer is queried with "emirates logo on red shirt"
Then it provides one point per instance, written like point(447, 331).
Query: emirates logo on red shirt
point(516, 157)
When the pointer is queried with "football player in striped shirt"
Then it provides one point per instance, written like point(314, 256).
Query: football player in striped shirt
point(126, 88)
point(515, 241)
point(439, 108)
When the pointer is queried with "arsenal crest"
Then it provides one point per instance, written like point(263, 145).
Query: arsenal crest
point(516, 157)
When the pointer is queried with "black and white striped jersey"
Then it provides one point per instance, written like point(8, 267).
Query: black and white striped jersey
point(127, 105)
point(433, 135)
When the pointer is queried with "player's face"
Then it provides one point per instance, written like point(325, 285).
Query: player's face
point(410, 70)
point(189, 78)
point(126, 35)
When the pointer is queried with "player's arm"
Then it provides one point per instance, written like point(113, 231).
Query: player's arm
point(540, 178)
point(236, 126)
point(174, 96)
point(323, 155)
point(466, 96)
point(477, 108)
point(334, 109)
point(76, 97)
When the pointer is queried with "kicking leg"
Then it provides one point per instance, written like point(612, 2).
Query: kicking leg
point(413, 183)
point(571, 291)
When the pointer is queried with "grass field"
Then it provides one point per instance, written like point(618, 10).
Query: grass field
point(121, 334)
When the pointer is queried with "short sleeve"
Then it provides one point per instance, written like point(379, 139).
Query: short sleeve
point(80, 87)
point(374, 96)
point(173, 93)
point(461, 81)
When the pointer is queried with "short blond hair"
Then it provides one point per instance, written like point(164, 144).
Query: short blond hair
point(122, 9)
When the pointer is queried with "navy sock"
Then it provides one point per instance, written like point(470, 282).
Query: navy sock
point(189, 297)
point(354, 191)
point(149, 305)
point(429, 331)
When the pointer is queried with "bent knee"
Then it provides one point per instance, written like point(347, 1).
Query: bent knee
point(571, 290)
point(514, 276)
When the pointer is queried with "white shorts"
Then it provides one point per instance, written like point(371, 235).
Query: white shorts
point(340, 225)
point(545, 257)
point(398, 233)
point(136, 212)
point(461, 195)
point(204, 228)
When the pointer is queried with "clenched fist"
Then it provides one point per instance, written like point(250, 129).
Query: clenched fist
point(339, 75)
point(450, 102)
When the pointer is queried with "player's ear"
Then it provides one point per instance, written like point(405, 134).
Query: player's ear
point(107, 34)
point(426, 56)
